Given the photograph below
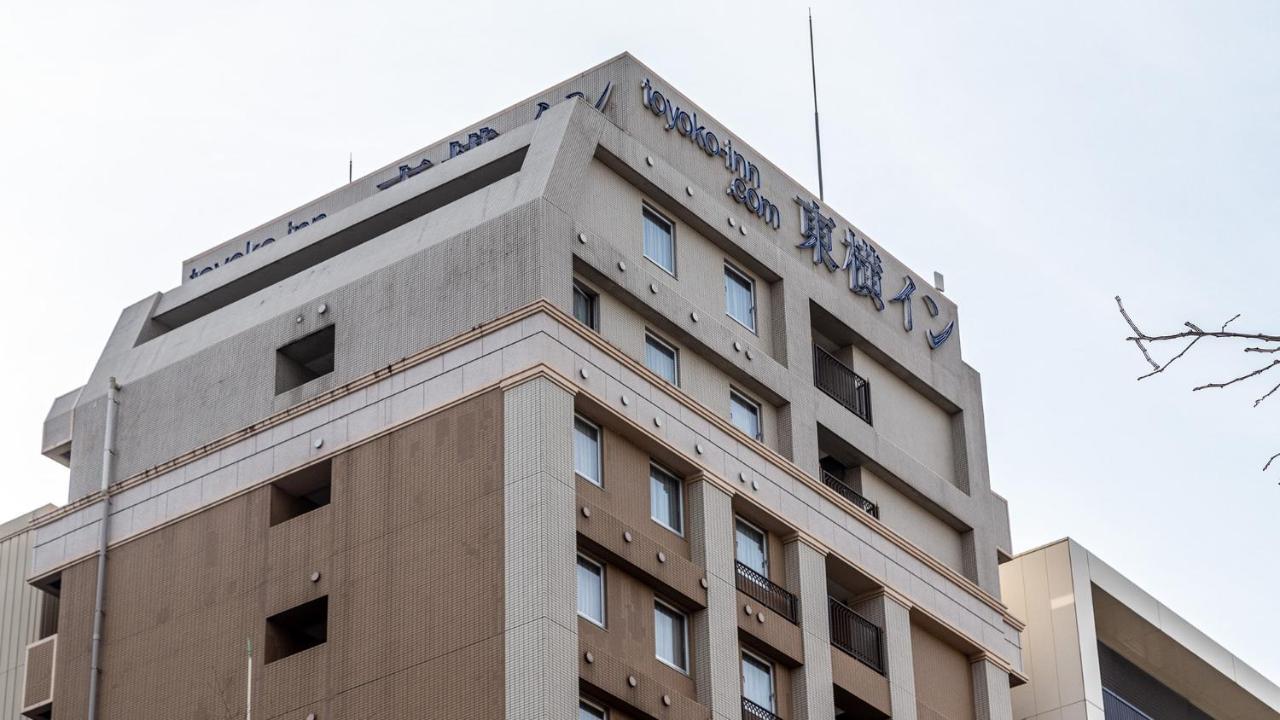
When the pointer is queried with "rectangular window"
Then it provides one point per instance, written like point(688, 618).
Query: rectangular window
point(305, 359)
point(666, 502)
point(757, 681)
point(590, 711)
point(659, 241)
point(662, 358)
point(292, 631)
point(750, 547)
point(586, 450)
point(300, 492)
point(670, 640)
point(740, 297)
point(591, 590)
point(586, 306)
point(745, 414)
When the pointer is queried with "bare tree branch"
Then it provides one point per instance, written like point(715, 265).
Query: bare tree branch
point(1269, 461)
point(1270, 392)
point(1233, 381)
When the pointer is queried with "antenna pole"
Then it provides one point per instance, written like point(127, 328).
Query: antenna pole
point(350, 166)
point(817, 133)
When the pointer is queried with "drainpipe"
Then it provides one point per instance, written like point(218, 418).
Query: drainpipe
point(108, 454)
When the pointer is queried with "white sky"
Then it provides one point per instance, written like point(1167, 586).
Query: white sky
point(1045, 157)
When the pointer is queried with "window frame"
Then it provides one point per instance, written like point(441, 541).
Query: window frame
point(679, 489)
point(593, 305)
point(646, 208)
point(773, 677)
point(597, 481)
point(764, 543)
point(651, 336)
point(746, 400)
point(600, 711)
point(604, 614)
point(684, 633)
point(731, 269)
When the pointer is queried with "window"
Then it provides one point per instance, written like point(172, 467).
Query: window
point(301, 492)
point(666, 502)
point(745, 415)
point(670, 641)
point(757, 681)
point(590, 711)
point(659, 241)
point(586, 306)
point(662, 359)
point(298, 629)
point(740, 297)
point(305, 359)
point(586, 450)
point(750, 547)
point(591, 590)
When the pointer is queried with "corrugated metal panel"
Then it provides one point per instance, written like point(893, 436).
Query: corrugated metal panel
point(19, 618)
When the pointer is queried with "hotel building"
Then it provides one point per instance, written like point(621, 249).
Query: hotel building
point(587, 408)
point(1097, 646)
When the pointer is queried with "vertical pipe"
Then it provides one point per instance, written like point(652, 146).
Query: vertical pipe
point(108, 454)
point(817, 133)
point(248, 691)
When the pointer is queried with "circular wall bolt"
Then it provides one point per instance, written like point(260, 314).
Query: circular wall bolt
point(632, 681)
point(698, 448)
point(742, 229)
point(627, 536)
point(742, 477)
point(657, 422)
point(589, 657)
point(732, 222)
point(703, 582)
point(666, 700)
point(582, 238)
point(311, 716)
point(649, 160)
point(746, 609)
point(693, 316)
point(662, 557)
point(583, 372)
point(586, 511)
point(324, 308)
point(626, 400)
point(298, 319)
point(653, 288)
point(622, 266)
point(319, 443)
point(750, 356)
point(688, 191)
point(760, 617)
point(737, 346)
point(755, 485)
point(315, 576)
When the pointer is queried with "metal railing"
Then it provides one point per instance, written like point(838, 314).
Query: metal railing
point(850, 494)
point(766, 592)
point(1115, 707)
point(857, 636)
point(752, 711)
point(843, 384)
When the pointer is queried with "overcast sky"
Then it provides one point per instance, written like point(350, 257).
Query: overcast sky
point(1043, 156)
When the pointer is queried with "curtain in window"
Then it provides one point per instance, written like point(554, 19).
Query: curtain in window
point(664, 499)
point(586, 450)
point(750, 549)
point(590, 598)
point(737, 299)
point(660, 359)
point(658, 243)
point(757, 682)
point(668, 636)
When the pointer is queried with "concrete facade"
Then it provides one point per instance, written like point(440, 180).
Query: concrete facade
point(452, 287)
point(1096, 645)
point(20, 608)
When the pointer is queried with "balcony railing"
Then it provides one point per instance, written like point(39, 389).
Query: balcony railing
point(1115, 707)
point(766, 592)
point(850, 494)
point(37, 691)
point(752, 711)
point(856, 635)
point(840, 382)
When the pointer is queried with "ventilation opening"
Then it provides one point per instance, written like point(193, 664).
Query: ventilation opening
point(304, 360)
point(295, 630)
point(301, 492)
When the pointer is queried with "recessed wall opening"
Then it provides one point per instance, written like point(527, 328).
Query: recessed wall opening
point(305, 359)
point(301, 492)
point(297, 629)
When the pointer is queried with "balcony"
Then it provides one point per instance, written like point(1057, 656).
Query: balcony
point(841, 383)
point(766, 592)
point(752, 711)
point(1115, 707)
point(37, 692)
point(850, 494)
point(856, 636)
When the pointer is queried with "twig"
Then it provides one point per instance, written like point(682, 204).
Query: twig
point(1270, 392)
point(1233, 381)
point(1269, 461)
point(1136, 341)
